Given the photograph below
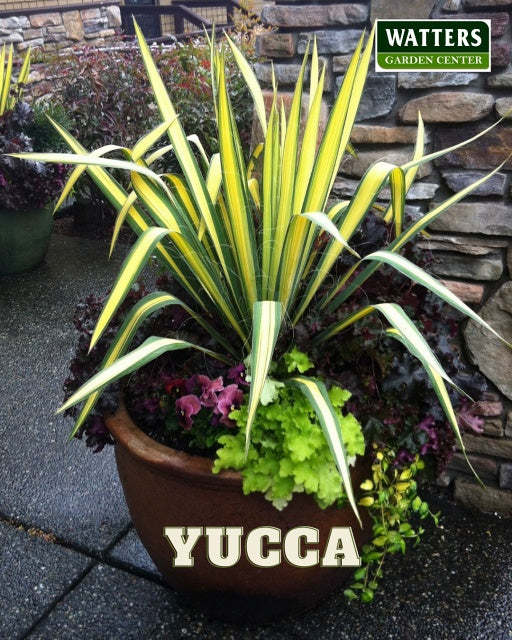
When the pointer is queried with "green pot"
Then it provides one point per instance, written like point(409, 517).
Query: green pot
point(24, 238)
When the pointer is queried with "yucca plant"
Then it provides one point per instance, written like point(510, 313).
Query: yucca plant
point(254, 245)
point(10, 89)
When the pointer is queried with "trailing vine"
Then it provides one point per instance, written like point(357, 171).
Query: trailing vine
point(392, 500)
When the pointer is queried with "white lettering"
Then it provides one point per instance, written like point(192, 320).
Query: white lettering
point(476, 40)
point(183, 540)
point(254, 547)
point(411, 39)
point(341, 549)
point(293, 547)
point(395, 36)
point(224, 545)
point(424, 34)
point(437, 33)
point(462, 38)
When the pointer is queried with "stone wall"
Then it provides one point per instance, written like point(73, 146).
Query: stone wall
point(94, 25)
point(473, 241)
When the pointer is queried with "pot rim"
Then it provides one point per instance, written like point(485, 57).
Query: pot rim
point(154, 454)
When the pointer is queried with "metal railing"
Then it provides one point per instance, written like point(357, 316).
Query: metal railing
point(182, 14)
point(55, 8)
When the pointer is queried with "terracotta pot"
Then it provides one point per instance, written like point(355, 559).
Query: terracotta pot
point(24, 238)
point(164, 487)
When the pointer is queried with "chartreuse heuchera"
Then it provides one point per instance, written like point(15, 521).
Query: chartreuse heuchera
point(254, 244)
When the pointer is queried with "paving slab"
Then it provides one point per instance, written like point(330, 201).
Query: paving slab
point(58, 487)
point(34, 574)
point(110, 604)
point(129, 553)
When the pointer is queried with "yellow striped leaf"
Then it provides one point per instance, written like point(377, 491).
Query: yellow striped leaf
point(411, 337)
point(339, 326)
point(418, 275)
point(316, 393)
point(6, 74)
point(25, 68)
point(129, 271)
point(444, 400)
point(235, 193)
point(145, 143)
point(121, 217)
point(337, 296)
point(252, 84)
point(266, 324)
point(148, 351)
point(186, 158)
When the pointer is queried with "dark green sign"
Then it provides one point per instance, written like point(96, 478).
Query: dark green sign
point(433, 45)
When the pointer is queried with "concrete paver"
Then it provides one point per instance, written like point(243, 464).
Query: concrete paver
point(46, 482)
point(33, 575)
point(129, 554)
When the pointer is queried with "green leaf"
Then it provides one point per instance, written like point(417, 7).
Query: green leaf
point(297, 361)
point(367, 595)
point(130, 270)
point(267, 318)
point(359, 574)
point(316, 393)
point(416, 274)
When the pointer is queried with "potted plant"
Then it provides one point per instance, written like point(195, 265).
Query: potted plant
point(27, 189)
point(247, 352)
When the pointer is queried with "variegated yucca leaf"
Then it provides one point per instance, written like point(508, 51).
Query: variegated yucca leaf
point(10, 90)
point(399, 320)
point(128, 273)
point(404, 330)
point(420, 276)
point(316, 392)
point(148, 351)
point(186, 158)
point(237, 196)
point(252, 84)
point(444, 400)
point(138, 313)
point(267, 319)
point(342, 291)
point(374, 179)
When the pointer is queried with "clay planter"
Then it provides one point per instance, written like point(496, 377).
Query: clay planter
point(164, 487)
point(24, 238)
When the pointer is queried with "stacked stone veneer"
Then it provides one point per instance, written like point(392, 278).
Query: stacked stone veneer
point(61, 27)
point(473, 240)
